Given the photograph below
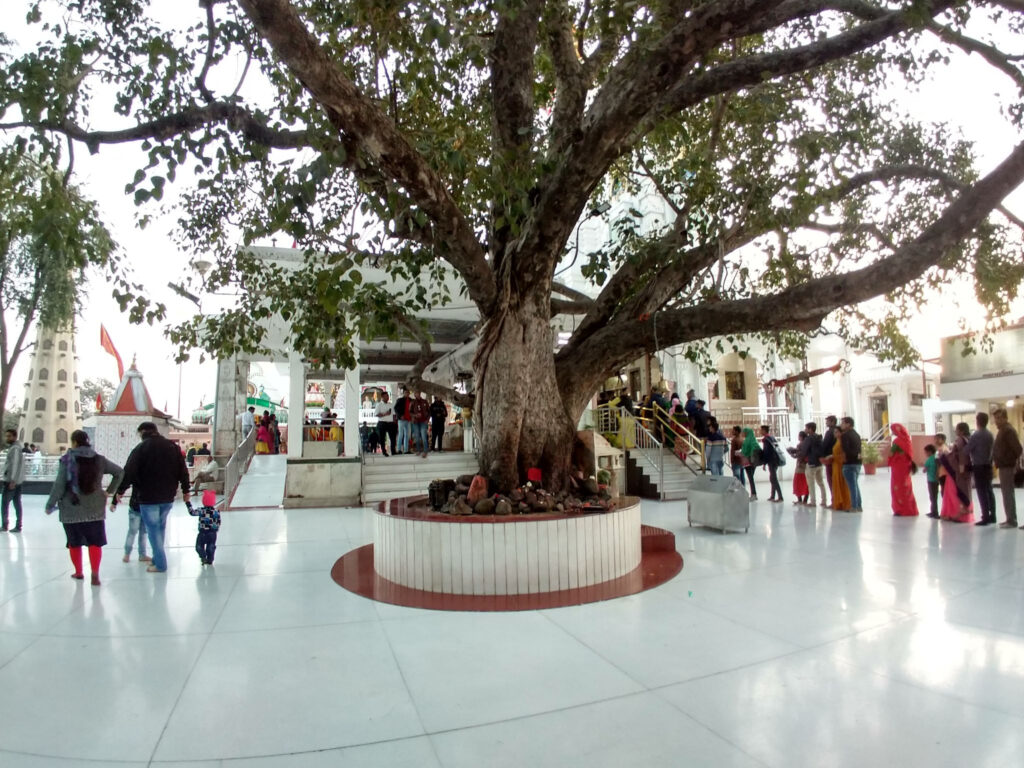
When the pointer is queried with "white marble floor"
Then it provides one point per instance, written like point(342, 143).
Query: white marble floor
point(818, 639)
point(263, 484)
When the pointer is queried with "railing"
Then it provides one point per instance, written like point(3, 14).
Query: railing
point(883, 435)
point(236, 465)
point(38, 468)
point(754, 416)
point(676, 436)
point(648, 433)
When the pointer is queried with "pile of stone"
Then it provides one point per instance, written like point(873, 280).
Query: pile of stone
point(469, 497)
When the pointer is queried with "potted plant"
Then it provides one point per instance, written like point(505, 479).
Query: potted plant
point(870, 456)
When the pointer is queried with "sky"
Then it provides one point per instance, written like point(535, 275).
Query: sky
point(966, 98)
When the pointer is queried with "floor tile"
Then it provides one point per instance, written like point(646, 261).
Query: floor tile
point(632, 730)
point(93, 698)
point(508, 665)
point(810, 710)
point(282, 600)
point(296, 690)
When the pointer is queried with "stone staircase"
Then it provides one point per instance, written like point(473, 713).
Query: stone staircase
point(410, 475)
point(643, 478)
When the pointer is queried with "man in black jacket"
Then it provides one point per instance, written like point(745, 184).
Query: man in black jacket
point(828, 441)
point(155, 468)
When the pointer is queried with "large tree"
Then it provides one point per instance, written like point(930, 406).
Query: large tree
point(49, 236)
point(472, 136)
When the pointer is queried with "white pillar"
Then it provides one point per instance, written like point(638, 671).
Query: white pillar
point(296, 404)
point(352, 402)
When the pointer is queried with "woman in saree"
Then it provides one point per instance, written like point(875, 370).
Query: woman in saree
point(750, 445)
point(622, 407)
point(956, 497)
point(840, 490)
point(901, 467)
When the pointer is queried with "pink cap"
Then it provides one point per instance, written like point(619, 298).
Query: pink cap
point(209, 498)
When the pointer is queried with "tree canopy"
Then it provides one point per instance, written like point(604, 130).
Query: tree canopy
point(473, 136)
point(49, 235)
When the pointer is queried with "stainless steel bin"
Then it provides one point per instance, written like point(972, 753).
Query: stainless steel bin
point(718, 502)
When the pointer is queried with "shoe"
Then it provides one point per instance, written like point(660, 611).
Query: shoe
point(126, 559)
point(1008, 524)
point(154, 569)
point(385, 454)
point(95, 579)
point(856, 509)
point(16, 530)
point(145, 559)
point(980, 523)
point(423, 455)
point(3, 529)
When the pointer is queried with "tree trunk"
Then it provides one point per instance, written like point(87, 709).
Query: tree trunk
point(521, 418)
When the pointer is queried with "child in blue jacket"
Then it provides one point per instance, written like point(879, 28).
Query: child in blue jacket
point(209, 524)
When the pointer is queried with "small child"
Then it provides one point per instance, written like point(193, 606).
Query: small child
point(931, 468)
point(209, 524)
point(136, 529)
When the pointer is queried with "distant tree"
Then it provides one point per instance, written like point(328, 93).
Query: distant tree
point(91, 388)
point(49, 235)
point(12, 418)
point(466, 136)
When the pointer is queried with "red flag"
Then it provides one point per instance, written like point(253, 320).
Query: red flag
point(99, 402)
point(108, 345)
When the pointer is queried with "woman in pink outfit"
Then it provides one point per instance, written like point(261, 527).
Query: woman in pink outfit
point(956, 497)
point(901, 467)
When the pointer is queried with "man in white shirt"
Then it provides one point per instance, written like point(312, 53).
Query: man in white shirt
point(248, 418)
point(386, 426)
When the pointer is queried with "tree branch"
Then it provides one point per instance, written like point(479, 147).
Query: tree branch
point(571, 92)
point(377, 137)
point(803, 307)
point(169, 126)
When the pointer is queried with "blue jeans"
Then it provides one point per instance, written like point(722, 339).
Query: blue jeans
point(419, 437)
point(135, 528)
point(850, 474)
point(154, 516)
point(403, 437)
point(737, 472)
point(206, 545)
point(717, 467)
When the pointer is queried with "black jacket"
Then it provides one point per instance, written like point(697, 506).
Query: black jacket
point(155, 468)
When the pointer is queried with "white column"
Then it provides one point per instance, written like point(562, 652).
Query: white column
point(296, 404)
point(352, 394)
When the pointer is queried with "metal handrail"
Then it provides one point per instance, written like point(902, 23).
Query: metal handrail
point(697, 446)
point(650, 449)
point(883, 435)
point(237, 465)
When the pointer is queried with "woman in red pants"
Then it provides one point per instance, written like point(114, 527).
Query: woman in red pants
point(78, 494)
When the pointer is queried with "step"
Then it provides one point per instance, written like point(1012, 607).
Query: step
point(656, 539)
point(411, 475)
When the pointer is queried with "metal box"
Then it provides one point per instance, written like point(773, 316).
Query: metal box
point(717, 501)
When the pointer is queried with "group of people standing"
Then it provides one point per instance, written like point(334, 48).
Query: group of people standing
point(404, 423)
point(831, 459)
point(154, 471)
point(974, 459)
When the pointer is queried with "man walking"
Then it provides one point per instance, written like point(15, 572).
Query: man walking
point(1006, 451)
point(155, 468)
point(14, 476)
point(850, 444)
point(810, 450)
point(979, 451)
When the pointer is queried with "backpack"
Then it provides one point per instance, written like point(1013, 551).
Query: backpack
point(780, 455)
point(757, 457)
